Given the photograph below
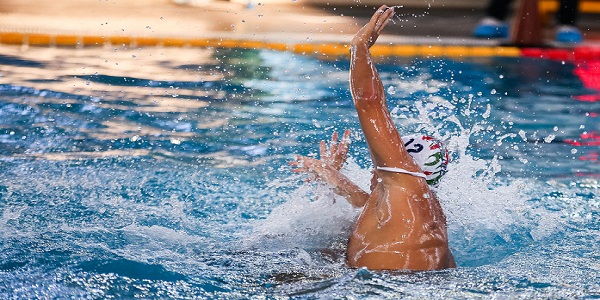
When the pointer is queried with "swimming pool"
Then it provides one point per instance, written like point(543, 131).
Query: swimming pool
point(162, 173)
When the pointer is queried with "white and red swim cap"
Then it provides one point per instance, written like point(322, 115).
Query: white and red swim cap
point(429, 154)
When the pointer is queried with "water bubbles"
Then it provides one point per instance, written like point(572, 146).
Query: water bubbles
point(493, 92)
point(549, 138)
point(573, 151)
point(522, 135)
point(391, 90)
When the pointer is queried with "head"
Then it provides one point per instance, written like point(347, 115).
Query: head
point(428, 153)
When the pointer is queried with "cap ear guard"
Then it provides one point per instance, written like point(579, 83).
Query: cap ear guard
point(429, 154)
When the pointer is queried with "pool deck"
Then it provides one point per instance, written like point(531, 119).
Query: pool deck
point(273, 24)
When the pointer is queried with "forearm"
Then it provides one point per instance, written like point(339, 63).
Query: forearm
point(344, 187)
point(365, 83)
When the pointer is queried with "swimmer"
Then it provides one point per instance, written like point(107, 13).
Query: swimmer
point(401, 226)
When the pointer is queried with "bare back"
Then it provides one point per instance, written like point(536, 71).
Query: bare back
point(401, 227)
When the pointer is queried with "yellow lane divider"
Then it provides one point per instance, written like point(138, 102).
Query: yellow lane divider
point(324, 50)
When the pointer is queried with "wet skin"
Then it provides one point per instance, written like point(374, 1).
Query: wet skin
point(402, 226)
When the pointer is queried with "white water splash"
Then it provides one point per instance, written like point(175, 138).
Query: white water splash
point(474, 198)
point(313, 216)
point(479, 204)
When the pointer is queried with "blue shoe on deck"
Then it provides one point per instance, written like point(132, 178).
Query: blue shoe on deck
point(491, 28)
point(568, 34)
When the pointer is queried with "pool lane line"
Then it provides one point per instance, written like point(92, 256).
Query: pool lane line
point(322, 50)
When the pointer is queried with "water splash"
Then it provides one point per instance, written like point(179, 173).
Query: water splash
point(489, 216)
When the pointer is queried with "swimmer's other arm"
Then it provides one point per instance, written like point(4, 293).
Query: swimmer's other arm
point(327, 169)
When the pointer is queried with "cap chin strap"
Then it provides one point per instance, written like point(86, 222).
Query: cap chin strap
point(400, 170)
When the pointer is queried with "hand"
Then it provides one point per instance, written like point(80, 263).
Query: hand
point(331, 159)
point(305, 164)
point(338, 151)
point(369, 33)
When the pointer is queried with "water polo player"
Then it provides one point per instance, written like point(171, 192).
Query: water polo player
point(402, 226)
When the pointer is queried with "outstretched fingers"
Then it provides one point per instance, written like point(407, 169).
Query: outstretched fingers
point(301, 163)
point(370, 32)
point(334, 143)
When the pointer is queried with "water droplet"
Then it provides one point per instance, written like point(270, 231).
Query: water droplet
point(391, 90)
point(493, 92)
point(573, 151)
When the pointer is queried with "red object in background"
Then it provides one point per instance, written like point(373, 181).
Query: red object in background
point(586, 54)
point(588, 98)
point(577, 55)
point(589, 72)
point(593, 156)
point(533, 52)
point(587, 139)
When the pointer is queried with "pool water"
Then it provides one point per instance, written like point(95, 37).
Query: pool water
point(162, 173)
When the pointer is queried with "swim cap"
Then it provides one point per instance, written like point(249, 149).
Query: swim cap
point(429, 154)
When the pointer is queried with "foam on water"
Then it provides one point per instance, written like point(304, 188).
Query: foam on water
point(312, 216)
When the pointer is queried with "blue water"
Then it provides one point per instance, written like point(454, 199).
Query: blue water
point(162, 173)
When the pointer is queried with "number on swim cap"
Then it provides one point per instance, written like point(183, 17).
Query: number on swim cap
point(429, 154)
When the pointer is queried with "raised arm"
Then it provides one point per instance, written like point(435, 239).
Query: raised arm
point(385, 144)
